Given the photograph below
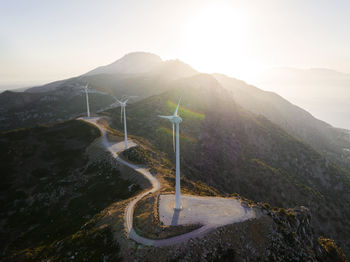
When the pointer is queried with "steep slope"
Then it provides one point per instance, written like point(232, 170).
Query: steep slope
point(21, 109)
point(61, 202)
point(332, 142)
point(173, 69)
point(53, 182)
point(323, 92)
point(138, 74)
point(155, 81)
point(234, 150)
point(153, 76)
point(275, 235)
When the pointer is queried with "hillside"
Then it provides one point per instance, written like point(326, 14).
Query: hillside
point(79, 216)
point(323, 92)
point(62, 200)
point(54, 180)
point(233, 150)
point(133, 63)
point(235, 137)
point(332, 142)
point(143, 75)
point(27, 109)
point(139, 74)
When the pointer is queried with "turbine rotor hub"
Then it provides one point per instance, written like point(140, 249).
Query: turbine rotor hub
point(176, 120)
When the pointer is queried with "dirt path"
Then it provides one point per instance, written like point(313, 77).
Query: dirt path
point(115, 148)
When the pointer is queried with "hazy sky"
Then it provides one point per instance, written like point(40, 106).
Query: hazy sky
point(41, 41)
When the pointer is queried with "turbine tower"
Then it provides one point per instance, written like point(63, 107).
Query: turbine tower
point(176, 120)
point(122, 109)
point(87, 101)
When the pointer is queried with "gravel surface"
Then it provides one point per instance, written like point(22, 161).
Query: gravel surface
point(208, 211)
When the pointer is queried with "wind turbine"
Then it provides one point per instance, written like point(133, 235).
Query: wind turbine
point(87, 100)
point(175, 119)
point(122, 109)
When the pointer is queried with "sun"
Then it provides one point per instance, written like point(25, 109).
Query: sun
point(215, 40)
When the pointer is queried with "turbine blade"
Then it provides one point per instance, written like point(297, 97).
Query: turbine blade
point(126, 101)
point(121, 114)
point(166, 117)
point(174, 137)
point(177, 108)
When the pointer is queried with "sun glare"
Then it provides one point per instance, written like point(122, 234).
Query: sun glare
point(215, 41)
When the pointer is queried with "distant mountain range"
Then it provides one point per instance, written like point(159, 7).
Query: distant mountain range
point(323, 92)
point(145, 74)
point(235, 137)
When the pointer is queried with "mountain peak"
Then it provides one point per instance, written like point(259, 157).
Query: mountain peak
point(131, 63)
point(140, 54)
point(173, 69)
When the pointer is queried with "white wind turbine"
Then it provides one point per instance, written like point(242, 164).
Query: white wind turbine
point(87, 100)
point(176, 120)
point(122, 109)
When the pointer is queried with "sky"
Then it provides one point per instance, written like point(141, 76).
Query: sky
point(43, 41)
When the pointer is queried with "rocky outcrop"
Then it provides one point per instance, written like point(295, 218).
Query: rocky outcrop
point(276, 235)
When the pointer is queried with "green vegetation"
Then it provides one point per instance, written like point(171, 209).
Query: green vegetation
point(54, 197)
point(138, 155)
point(334, 253)
point(32, 109)
point(52, 188)
point(92, 241)
point(233, 150)
point(146, 220)
point(159, 165)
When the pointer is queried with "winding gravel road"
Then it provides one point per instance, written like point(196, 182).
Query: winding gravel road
point(115, 148)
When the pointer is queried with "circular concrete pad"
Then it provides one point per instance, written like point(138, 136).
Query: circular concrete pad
point(211, 211)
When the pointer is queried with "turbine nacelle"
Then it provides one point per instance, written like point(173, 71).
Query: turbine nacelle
point(85, 88)
point(121, 103)
point(172, 119)
point(176, 120)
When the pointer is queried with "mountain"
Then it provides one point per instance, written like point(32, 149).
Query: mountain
point(142, 85)
point(235, 151)
point(331, 141)
point(143, 75)
point(140, 74)
point(235, 137)
point(323, 92)
point(25, 109)
point(54, 181)
point(173, 69)
point(63, 198)
point(133, 63)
